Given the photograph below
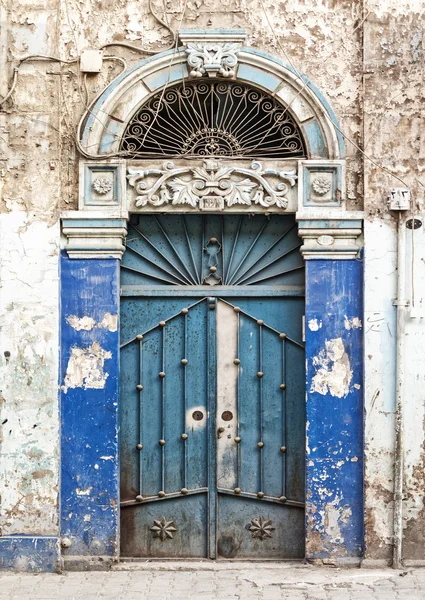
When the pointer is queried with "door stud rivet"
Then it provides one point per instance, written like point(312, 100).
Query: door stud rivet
point(236, 309)
point(260, 494)
point(184, 436)
point(139, 387)
point(237, 490)
point(162, 323)
point(260, 322)
point(282, 336)
point(260, 444)
point(161, 374)
point(282, 498)
point(283, 448)
point(184, 490)
point(139, 447)
point(162, 442)
point(161, 494)
point(139, 498)
point(283, 386)
point(237, 439)
point(185, 311)
point(213, 240)
point(260, 374)
point(184, 361)
point(236, 361)
point(213, 269)
point(139, 337)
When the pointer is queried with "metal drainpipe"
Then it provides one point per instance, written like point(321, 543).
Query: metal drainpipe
point(401, 304)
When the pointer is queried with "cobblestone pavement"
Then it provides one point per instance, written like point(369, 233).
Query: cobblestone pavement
point(246, 581)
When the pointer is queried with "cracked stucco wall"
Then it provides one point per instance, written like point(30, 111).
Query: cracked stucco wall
point(28, 375)
point(373, 77)
point(393, 134)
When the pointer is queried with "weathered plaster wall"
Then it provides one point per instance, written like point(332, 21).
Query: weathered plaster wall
point(376, 90)
point(319, 37)
point(414, 492)
point(38, 168)
point(379, 349)
point(29, 449)
point(393, 120)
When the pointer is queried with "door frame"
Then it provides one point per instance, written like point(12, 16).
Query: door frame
point(94, 238)
point(90, 484)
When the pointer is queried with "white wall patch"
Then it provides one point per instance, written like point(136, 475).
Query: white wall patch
point(85, 368)
point(314, 324)
point(334, 374)
point(109, 322)
point(353, 323)
point(86, 323)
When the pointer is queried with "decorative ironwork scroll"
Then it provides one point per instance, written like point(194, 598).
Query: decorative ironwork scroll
point(213, 186)
point(213, 118)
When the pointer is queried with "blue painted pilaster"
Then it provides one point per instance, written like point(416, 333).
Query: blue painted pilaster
point(89, 381)
point(334, 351)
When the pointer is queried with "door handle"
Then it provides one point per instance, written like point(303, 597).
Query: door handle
point(220, 430)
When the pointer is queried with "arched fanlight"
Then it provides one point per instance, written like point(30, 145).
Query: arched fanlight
point(213, 119)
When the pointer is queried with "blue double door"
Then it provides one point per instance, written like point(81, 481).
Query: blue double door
point(212, 407)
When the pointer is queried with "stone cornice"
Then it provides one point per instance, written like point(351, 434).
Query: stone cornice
point(94, 235)
point(328, 236)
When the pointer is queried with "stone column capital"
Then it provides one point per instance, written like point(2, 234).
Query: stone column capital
point(335, 238)
point(92, 235)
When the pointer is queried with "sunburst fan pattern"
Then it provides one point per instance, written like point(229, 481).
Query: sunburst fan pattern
point(213, 119)
point(209, 250)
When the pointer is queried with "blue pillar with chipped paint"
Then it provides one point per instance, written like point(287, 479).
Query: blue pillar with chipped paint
point(89, 380)
point(334, 350)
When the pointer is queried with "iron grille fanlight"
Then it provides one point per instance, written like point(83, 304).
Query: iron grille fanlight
point(213, 119)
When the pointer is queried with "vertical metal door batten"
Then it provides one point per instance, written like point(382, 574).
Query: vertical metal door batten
point(212, 435)
point(284, 425)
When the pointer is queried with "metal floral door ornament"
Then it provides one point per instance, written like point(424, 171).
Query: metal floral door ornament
point(212, 388)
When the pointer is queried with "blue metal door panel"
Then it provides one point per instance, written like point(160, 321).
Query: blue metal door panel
point(164, 449)
point(267, 519)
point(212, 389)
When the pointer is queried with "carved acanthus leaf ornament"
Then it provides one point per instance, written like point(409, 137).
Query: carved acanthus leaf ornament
point(212, 59)
point(212, 186)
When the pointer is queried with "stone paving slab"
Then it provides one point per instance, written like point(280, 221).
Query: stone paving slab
point(215, 581)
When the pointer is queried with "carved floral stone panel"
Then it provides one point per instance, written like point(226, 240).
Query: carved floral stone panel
point(212, 186)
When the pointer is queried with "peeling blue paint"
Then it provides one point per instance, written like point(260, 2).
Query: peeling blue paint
point(315, 140)
point(27, 553)
point(165, 76)
point(334, 508)
point(110, 135)
point(89, 412)
point(330, 224)
point(259, 77)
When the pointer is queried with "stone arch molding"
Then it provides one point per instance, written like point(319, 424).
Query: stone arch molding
point(103, 126)
point(112, 187)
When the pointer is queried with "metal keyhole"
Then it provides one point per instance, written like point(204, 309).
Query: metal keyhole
point(220, 430)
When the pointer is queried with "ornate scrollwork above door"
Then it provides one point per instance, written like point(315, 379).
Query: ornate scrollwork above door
point(212, 187)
